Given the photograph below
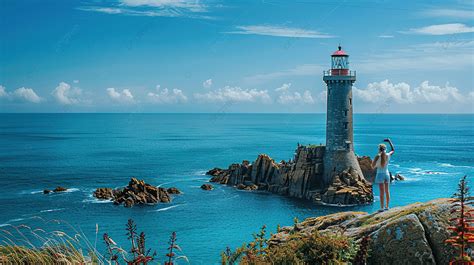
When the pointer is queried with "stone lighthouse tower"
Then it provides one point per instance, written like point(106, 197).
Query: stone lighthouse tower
point(339, 154)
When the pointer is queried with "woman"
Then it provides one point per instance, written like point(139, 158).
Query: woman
point(383, 176)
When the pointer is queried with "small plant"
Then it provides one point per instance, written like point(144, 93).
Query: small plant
point(363, 252)
point(462, 229)
point(172, 251)
point(140, 255)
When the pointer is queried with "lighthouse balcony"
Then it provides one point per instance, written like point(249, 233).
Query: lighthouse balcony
point(339, 72)
point(339, 75)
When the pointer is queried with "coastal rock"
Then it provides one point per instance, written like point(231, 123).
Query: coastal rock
point(173, 190)
point(412, 234)
point(137, 192)
point(348, 188)
point(365, 164)
point(60, 189)
point(399, 177)
point(301, 177)
point(104, 193)
point(207, 187)
point(47, 191)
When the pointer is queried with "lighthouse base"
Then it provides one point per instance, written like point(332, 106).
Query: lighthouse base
point(302, 177)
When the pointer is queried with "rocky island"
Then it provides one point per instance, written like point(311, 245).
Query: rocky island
point(137, 192)
point(301, 177)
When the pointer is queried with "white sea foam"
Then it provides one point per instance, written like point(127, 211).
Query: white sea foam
point(200, 172)
point(51, 210)
point(167, 208)
point(452, 166)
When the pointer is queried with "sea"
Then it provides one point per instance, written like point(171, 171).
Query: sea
point(85, 151)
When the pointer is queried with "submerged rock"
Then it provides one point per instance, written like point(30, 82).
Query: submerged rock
point(412, 234)
point(173, 190)
point(207, 187)
point(60, 189)
point(398, 177)
point(302, 177)
point(137, 192)
point(47, 191)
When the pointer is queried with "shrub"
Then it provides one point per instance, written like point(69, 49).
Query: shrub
point(462, 236)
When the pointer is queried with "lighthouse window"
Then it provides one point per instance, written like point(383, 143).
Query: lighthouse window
point(345, 112)
point(348, 145)
point(345, 125)
point(350, 101)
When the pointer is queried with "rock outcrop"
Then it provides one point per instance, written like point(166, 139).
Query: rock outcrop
point(301, 177)
point(207, 187)
point(412, 234)
point(57, 189)
point(137, 192)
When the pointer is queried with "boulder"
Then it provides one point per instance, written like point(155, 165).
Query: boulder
point(60, 189)
point(365, 164)
point(412, 234)
point(207, 187)
point(47, 191)
point(137, 192)
point(399, 177)
point(173, 190)
point(104, 193)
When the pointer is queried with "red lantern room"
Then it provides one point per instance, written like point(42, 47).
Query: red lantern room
point(339, 62)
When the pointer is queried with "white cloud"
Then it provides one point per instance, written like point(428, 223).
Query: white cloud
point(152, 8)
point(283, 87)
point(436, 56)
point(124, 96)
point(386, 36)
point(166, 96)
point(20, 94)
point(300, 70)
point(3, 92)
point(207, 83)
point(287, 97)
point(450, 13)
point(470, 95)
point(26, 94)
point(441, 29)
point(66, 95)
point(75, 81)
point(191, 5)
point(234, 94)
point(296, 97)
point(279, 31)
point(402, 93)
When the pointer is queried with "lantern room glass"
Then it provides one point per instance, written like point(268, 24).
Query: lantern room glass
point(340, 62)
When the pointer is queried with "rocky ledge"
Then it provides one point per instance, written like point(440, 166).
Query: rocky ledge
point(301, 177)
point(57, 189)
point(412, 234)
point(137, 192)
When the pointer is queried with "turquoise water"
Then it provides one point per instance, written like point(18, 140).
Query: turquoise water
point(85, 151)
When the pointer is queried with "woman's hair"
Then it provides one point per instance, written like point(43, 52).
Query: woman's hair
point(383, 155)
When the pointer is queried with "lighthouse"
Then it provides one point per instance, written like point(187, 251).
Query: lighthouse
point(339, 154)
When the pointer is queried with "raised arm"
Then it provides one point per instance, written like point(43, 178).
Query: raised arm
point(391, 145)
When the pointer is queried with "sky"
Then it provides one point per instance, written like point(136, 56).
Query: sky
point(233, 56)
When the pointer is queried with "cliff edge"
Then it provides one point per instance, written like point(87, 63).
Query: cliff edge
point(412, 234)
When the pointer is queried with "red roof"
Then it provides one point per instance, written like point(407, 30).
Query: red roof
point(339, 52)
